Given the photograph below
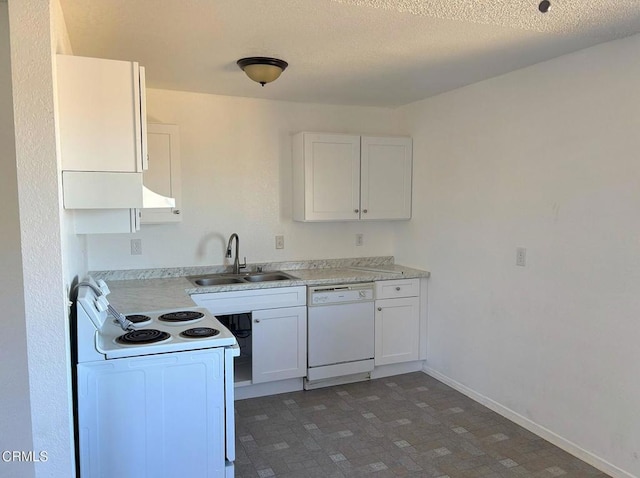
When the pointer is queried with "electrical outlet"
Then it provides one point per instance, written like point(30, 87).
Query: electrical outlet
point(359, 239)
point(136, 247)
point(279, 242)
point(521, 256)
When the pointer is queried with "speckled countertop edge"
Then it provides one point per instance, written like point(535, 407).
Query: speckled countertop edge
point(157, 293)
point(161, 273)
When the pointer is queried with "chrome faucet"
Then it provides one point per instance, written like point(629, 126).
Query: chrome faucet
point(236, 263)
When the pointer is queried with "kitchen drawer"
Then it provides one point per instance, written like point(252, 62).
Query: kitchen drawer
point(392, 289)
point(240, 301)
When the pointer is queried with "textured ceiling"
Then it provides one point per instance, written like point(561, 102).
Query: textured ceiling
point(586, 16)
point(361, 52)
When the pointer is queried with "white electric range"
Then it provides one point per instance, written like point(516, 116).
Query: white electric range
point(154, 391)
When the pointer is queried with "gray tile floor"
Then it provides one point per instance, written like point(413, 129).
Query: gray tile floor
point(406, 425)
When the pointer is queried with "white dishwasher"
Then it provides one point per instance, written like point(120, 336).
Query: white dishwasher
point(340, 330)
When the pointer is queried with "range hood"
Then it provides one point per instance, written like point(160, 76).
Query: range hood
point(152, 199)
point(109, 190)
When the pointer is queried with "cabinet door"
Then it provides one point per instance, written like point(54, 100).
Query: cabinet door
point(397, 330)
point(279, 344)
point(386, 178)
point(99, 106)
point(163, 174)
point(327, 177)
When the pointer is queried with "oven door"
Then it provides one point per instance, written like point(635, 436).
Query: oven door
point(140, 416)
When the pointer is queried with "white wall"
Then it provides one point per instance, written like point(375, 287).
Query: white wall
point(236, 177)
point(544, 158)
point(15, 417)
point(36, 31)
point(74, 247)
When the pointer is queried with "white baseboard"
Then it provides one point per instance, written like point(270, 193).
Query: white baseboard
point(268, 388)
point(341, 380)
point(382, 371)
point(533, 427)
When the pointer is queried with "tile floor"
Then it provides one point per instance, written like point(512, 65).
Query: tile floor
point(404, 426)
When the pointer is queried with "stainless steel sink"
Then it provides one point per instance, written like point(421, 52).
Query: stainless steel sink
point(207, 281)
point(267, 277)
point(247, 277)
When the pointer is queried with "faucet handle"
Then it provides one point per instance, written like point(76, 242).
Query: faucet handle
point(243, 266)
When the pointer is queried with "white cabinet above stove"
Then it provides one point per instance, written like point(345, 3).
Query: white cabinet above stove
point(102, 131)
point(102, 114)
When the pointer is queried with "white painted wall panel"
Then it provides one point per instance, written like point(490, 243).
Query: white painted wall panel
point(237, 177)
point(36, 31)
point(15, 413)
point(544, 158)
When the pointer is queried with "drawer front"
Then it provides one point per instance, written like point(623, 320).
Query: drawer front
point(392, 289)
point(235, 302)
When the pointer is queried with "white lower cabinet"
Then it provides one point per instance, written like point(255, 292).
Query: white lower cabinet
point(279, 344)
point(271, 328)
point(397, 321)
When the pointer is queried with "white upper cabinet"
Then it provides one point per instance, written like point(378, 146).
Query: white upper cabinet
point(345, 177)
point(102, 129)
point(385, 169)
point(163, 174)
point(326, 172)
point(102, 114)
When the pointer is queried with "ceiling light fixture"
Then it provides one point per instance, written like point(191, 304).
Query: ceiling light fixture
point(262, 70)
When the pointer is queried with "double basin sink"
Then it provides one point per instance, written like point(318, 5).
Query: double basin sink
point(242, 278)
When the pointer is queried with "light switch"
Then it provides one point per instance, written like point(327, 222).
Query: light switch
point(136, 247)
point(521, 256)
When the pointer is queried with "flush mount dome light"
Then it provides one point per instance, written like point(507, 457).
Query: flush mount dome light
point(262, 70)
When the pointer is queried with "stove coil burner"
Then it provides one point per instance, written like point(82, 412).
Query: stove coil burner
point(199, 333)
point(138, 318)
point(181, 316)
point(142, 337)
